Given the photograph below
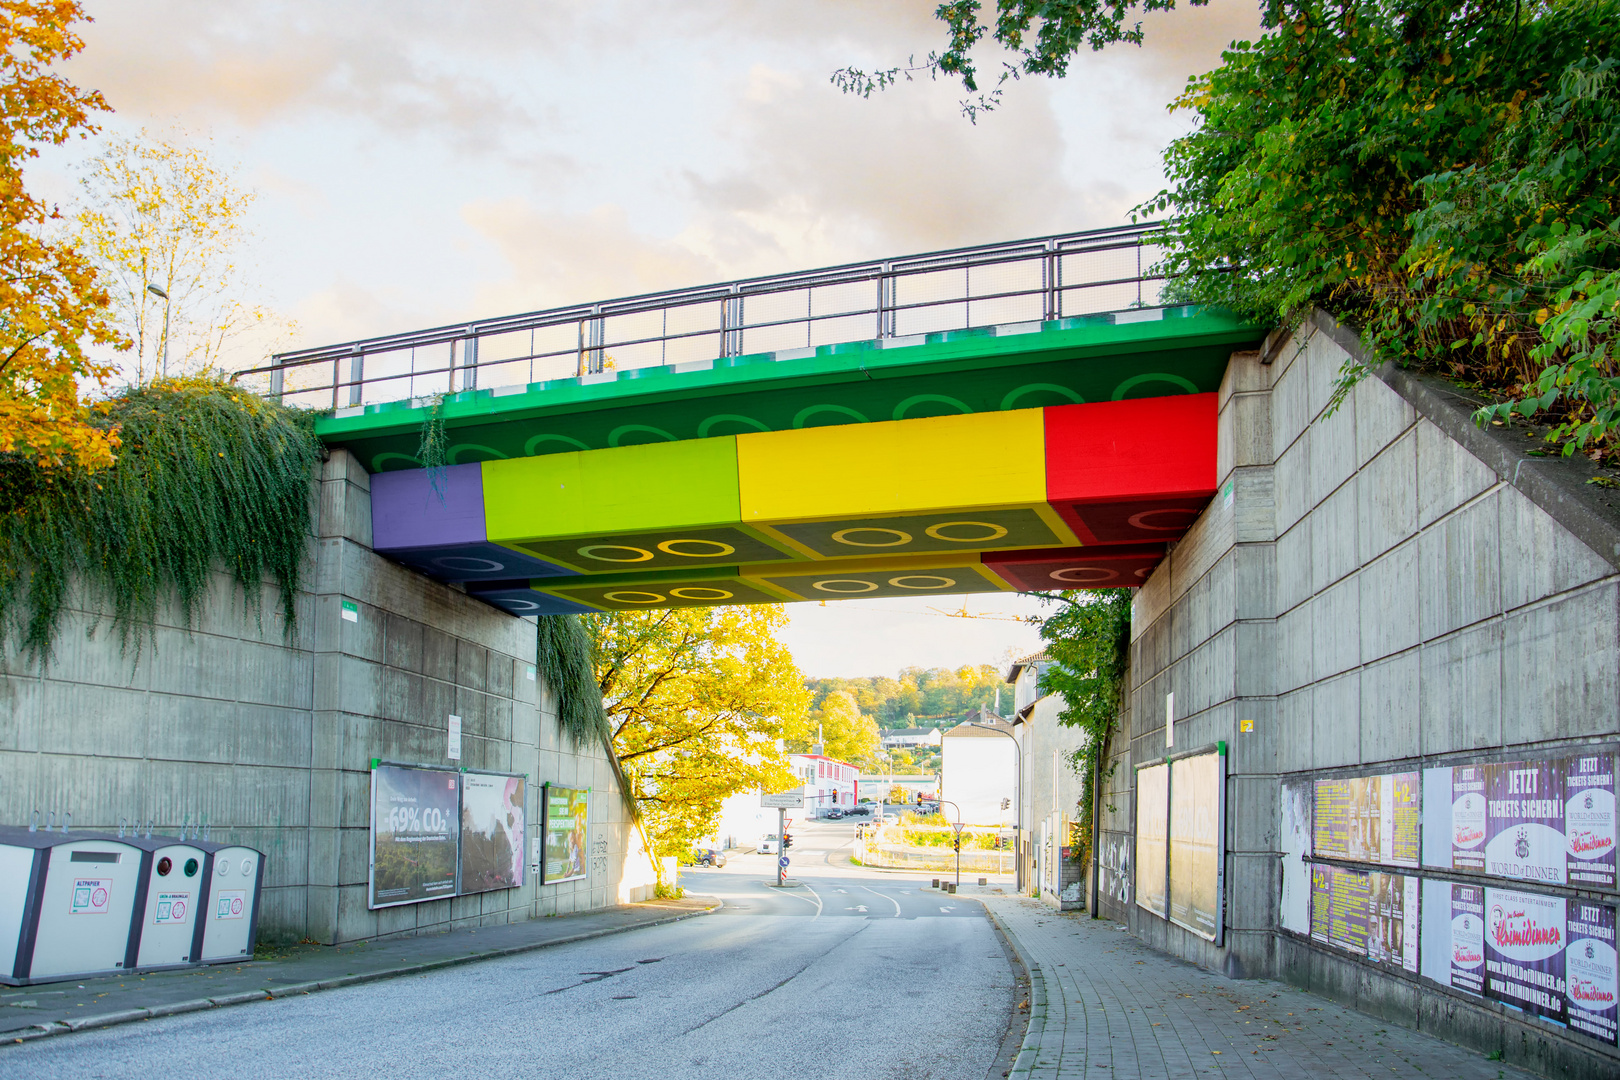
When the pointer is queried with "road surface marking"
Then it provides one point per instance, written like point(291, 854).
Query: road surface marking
point(887, 897)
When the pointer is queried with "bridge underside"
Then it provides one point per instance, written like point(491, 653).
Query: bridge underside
point(1045, 456)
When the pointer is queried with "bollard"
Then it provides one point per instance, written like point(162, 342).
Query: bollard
point(984, 881)
point(950, 888)
point(935, 885)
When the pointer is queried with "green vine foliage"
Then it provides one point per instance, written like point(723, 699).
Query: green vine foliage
point(1088, 639)
point(565, 651)
point(208, 474)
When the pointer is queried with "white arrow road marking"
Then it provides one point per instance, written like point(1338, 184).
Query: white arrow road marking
point(947, 910)
point(860, 907)
point(887, 897)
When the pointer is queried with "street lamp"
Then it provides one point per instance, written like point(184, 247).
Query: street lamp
point(958, 827)
point(1018, 803)
point(160, 294)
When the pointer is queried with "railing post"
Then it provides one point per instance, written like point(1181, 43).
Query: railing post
point(1051, 283)
point(886, 312)
point(278, 382)
point(590, 342)
point(469, 359)
point(731, 324)
point(357, 376)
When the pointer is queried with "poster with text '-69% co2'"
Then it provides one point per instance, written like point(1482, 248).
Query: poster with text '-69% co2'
point(415, 834)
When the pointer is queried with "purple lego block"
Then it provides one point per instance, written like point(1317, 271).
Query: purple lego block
point(406, 511)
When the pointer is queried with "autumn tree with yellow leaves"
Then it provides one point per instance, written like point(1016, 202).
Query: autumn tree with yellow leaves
point(163, 212)
point(696, 701)
point(51, 303)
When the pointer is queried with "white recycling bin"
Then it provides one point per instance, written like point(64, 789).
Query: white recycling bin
point(67, 905)
point(168, 919)
point(231, 918)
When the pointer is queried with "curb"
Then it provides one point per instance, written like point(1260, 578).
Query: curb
point(1024, 1064)
point(129, 1016)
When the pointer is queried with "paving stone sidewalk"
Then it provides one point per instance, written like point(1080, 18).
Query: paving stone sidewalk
point(1103, 1004)
point(31, 1012)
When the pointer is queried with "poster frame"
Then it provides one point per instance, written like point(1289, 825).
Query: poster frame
point(1219, 750)
point(461, 809)
point(371, 833)
point(545, 804)
point(1136, 837)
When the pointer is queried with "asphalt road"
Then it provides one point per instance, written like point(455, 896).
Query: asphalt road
point(850, 974)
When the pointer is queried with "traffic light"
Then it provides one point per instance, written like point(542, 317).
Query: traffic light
point(956, 844)
point(787, 841)
point(1006, 803)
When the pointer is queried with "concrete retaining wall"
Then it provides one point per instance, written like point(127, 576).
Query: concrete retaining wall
point(1366, 592)
point(269, 740)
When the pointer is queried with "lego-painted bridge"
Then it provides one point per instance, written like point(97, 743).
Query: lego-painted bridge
point(997, 427)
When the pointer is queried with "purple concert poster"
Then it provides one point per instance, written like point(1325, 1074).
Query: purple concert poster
point(1589, 825)
point(1525, 821)
point(1468, 817)
point(1589, 970)
point(1468, 938)
point(1524, 952)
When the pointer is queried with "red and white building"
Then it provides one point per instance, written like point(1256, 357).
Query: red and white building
point(827, 781)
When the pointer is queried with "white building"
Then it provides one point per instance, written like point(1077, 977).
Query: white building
point(979, 770)
point(903, 738)
point(1051, 789)
point(827, 781)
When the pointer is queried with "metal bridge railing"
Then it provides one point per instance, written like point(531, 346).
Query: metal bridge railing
point(1046, 278)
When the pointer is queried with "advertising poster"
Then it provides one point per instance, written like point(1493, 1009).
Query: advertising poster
point(1468, 817)
point(1589, 826)
point(492, 828)
point(1372, 819)
point(1195, 844)
point(1589, 970)
point(1400, 819)
point(1321, 902)
point(1524, 951)
point(1331, 835)
point(1348, 910)
point(415, 834)
point(1152, 838)
point(1524, 831)
point(1392, 917)
point(566, 818)
point(1468, 938)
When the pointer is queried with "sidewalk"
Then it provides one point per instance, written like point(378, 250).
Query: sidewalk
point(1102, 1004)
point(32, 1012)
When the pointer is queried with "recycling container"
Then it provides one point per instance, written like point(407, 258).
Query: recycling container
point(231, 917)
point(168, 922)
point(67, 905)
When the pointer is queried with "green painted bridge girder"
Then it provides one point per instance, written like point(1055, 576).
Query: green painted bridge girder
point(1147, 353)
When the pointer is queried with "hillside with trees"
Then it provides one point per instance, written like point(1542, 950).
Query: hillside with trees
point(916, 697)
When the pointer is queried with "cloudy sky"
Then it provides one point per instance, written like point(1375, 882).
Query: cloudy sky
point(420, 163)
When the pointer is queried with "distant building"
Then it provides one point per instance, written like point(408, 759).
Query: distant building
point(978, 769)
point(827, 781)
point(1051, 788)
point(902, 738)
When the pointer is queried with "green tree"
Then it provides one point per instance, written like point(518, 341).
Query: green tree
point(1442, 174)
point(696, 700)
point(163, 212)
point(845, 732)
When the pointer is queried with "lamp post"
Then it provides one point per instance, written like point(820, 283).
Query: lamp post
point(1018, 803)
point(958, 827)
point(160, 294)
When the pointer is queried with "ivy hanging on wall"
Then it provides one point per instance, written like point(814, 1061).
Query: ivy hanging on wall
point(564, 650)
point(1088, 639)
point(208, 475)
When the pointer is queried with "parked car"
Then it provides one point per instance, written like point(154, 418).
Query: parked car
point(858, 811)
point(710, 856)
point(769, 844)
point(833, 814)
